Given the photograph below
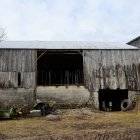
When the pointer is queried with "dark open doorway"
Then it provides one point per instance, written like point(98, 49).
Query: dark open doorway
point(112, 99)
point(60, 68)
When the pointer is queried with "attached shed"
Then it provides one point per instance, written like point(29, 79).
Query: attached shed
point(68, 72)
point(135, 42)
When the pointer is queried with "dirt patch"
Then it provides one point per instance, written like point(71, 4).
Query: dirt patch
point(87, 126)
point(83, 124)
point(123, 134)
point(2, 136)
point(106, 135)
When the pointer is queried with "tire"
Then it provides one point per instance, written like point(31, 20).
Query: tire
point(126, 105)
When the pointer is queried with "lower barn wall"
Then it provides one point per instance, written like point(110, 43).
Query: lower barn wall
point(20, 97)
point(63, 96)
point(134, 96)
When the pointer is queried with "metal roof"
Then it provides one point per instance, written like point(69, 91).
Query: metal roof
point(63, 45)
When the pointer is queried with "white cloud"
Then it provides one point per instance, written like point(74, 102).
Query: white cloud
point(96, 20)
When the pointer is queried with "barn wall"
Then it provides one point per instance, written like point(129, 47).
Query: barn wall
point(14, 63)
point(21, 97)
point(112, 69)
point(102, 69)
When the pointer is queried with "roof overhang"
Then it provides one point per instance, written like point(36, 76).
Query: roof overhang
point(67, 45)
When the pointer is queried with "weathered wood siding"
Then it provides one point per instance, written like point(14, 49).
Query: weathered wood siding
point(112, 69)
point(14, 61)
point(102, 69)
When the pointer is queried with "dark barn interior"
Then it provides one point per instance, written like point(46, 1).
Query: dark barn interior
point(59, 68)
point(111, 99)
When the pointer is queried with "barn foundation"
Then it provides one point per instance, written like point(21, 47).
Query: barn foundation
point(116, 96)
point(19, 97)
point(64, 96)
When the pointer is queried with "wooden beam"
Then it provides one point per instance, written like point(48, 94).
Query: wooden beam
point(40, 56)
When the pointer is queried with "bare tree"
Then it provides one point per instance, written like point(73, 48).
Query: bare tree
point(2, 34)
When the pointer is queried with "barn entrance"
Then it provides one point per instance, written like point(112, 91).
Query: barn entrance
point(56, 68)
point(111, 99)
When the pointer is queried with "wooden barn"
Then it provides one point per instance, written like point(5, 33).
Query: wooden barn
point(68, 72)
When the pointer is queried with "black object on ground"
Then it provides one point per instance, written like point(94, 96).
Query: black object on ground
point(126, 104)
point(45, 108)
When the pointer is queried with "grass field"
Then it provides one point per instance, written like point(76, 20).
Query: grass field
point(74, 124)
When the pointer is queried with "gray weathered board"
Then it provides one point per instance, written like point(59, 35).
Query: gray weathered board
point(112, 69)
point(102, 68)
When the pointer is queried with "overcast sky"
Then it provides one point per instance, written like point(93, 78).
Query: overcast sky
point(91, 20)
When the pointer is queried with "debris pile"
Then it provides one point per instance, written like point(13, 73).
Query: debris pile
point(10, 113)
point(43, 109)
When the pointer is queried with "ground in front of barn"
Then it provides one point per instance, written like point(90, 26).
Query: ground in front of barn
point(74, 124)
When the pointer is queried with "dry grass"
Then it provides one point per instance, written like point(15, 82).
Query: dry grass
point(73, 124)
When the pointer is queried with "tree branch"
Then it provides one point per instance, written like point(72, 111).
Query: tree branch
point(2, 33)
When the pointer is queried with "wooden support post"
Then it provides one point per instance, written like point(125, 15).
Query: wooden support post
point(138, 107)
